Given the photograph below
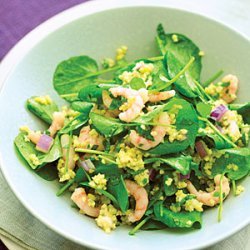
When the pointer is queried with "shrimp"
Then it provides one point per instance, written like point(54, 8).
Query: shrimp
point(158, 132)
point(137, 98)
point(57, 123)
point(89, 138)
point(209, 199)
point(68, 152)
point(161, 96)
point(80, 198)
point(141, 198)
point(34, 136)
point(229, 93)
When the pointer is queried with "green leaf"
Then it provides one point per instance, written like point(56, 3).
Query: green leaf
point(48, 172)
point(27, 148)
point(182, 50)
point(239, 157)
point(116, 185)
point(82, 107)
point(204, 109)
point(137, 83)
point(242, 109)
point(171, 189)
point(91, 93)
point(44, 112)
point(186, 119)
point(177, 220)
point(73, 74)
point(153, 225)
point(181, 163)
point(106, 126)
point(78, 121)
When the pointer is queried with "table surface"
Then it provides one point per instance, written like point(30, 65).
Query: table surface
point(232, 12)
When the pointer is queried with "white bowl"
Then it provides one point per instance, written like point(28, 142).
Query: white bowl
point(96, 29)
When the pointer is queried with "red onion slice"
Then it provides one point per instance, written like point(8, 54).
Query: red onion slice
point(218, 112)
point(86, 164)
point(184, 177)
point(44, 143)
point(200, 148)
point(152, 174)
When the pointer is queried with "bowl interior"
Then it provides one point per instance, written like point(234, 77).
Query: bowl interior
point(98, 35)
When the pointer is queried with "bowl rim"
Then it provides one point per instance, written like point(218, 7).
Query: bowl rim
point(59, 20)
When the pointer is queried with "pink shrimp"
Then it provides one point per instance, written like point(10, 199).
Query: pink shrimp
point(91, 140)
point(140, 98)
point(80, 198)
point(209, 199)
point(158, 132)
point(229, 93)
point(141, 198)
point(161, 96)
point(57, 123)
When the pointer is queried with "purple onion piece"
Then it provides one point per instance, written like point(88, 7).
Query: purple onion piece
point(184, 177)
point(218, 112)
point(152, 174)
point(199, 146)
point(87, 165)
point(44, 144)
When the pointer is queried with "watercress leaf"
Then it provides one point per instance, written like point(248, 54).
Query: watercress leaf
point(181, 163)
point(82, 107)
point(44, 112)
point(240, 157)
point(116, 185)
point(171, 189)
point(73, 74)
point(204, 109)
point(177, 220)
point(137, 83)
point(91, 93)
point(27, 148)
point(186, 119)
point(106, 126)
point(78, 121)
point(48, 172)
point(242, 109)
point(185, 85)
point(80, 176)
point(152, 224)
point(183, 50)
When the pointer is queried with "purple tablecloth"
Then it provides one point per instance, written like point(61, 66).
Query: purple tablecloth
point(18, 17)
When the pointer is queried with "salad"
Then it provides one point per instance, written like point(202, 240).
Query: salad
point(143, 143)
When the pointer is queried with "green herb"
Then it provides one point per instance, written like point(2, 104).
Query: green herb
point(221, 200)
point(213, 78)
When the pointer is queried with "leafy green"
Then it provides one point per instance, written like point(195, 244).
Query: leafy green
point(169, 190)
point(48, 172)
point(78, 121)
point(182, 50)
point(152, 224)
point(44, 112)
point(239, 157)
point(204, 109)
point(73, 74)
point(181, 163)
point(116, 185)
point(91, 93)
point(177, 220)
point(81, 107)
point(186, 119)
point(106, 126)
point(137, 83)
point(242, 109)
point(27, 148)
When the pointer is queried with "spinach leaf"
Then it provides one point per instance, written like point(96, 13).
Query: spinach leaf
point(106, 126)
point(73, 74)
point(82, 107)
point(186, 119)
point(242, 109)
point(238, 156)
point(182, 50)
point(44, 112)
point(204, 109)
point(181, 163)
point(169, 190)
point(116, 185)
point(27, 148)
point(48, 172)
point(152, 224)
point(91, 93)
point(78, 121)
point(177, 220)
point(185, 84)
point(137, 83)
